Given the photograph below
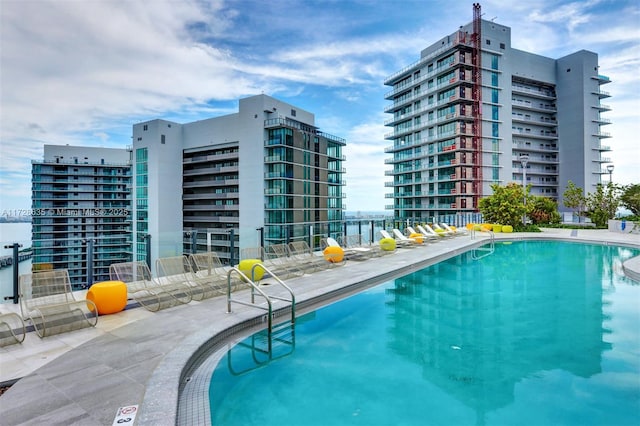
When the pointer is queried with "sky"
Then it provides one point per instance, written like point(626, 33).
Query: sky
point(82, 72)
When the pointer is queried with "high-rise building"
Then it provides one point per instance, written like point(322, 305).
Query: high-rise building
point(473, 110)
point(264, 172)
point(81, 211)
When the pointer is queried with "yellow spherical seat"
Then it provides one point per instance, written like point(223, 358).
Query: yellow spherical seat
point(418, 238)
point(507, 228)
point(333, 254)
point(497, 228)
point(388, 244)
point(108, 296)
point(246, 265)
point(470, 226)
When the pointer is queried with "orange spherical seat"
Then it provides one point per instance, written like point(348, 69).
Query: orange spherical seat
point(333, 254)
point(388, 244)
point(108, 296)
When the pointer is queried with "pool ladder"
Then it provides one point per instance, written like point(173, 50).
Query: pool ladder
point(483, 251)
point(240, 363)
point(255, 289)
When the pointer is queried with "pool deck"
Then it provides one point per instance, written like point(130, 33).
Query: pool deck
point(137, 357)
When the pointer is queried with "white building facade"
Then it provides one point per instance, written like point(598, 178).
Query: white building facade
point(265, 174)
point(456, 131)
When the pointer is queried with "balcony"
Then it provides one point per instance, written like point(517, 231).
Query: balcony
point(547, 135)
point(602, 121)
point(536, 93)
point(602, 79)
point(216, 182)
point(602, 107)
point(603, 160)
point(209, 158)
point(534, 147)
point(602, 135)
point(547, 122)
point(601, 94)
point(540, 106)
point(210, 170)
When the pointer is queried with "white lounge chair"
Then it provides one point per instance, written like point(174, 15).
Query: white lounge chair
point(425, 235)
point(400, 242)
point(427, 230)
point(351, 247)
point(432, 231)
point(440, 229)
point(401, 237)
point(456, 231)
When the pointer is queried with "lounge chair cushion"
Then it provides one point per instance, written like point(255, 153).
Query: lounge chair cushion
point(418, 238)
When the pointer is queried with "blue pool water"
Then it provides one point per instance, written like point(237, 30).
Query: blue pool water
point(538, 333)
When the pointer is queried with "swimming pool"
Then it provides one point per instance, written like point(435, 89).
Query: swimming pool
point(537, 333)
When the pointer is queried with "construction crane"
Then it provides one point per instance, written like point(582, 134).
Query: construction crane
point(476, 94)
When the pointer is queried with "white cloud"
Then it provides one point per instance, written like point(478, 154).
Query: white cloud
point(365, 166)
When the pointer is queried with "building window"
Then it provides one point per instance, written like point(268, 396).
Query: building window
point(502, 46)
point(162, 139)
point(293, 112)
point(145, 127)
point(488, 42)
point(494, 62)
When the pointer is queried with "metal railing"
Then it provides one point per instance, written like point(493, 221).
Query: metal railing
point(268, 298)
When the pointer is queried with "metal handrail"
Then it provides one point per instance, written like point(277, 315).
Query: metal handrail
point(488, 251)
point(279, 281)
point(255, 288)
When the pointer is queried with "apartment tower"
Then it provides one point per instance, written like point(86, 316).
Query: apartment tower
point(263, 175)
point(472, 111)
point(81, 211)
